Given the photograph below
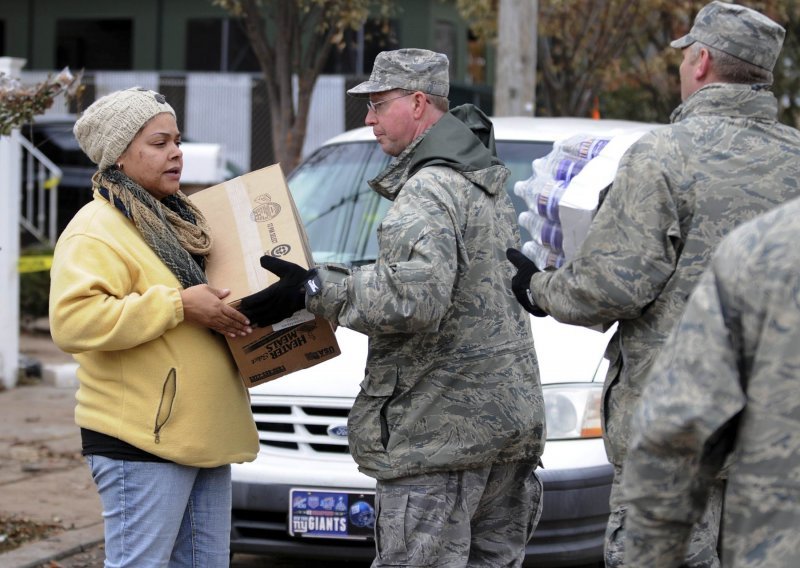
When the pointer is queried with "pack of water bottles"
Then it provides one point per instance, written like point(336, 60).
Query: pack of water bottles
point(544, 191)
point(564, 192)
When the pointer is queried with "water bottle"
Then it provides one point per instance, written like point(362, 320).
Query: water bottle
point(548, 194)
point(582, 146)
point(543, 257)
point(541, 194)
point(558, 165)
point(544, 231)
point(565, 169)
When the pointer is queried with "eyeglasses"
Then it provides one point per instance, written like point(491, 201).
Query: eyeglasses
point(371, 106)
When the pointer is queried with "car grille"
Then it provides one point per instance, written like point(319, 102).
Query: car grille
point(301, 427)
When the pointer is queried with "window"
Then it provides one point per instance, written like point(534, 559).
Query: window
point(214, 44)
point(360, 47)
point(94, 44)
point(444, 41)
point(476, 60)
point(341, 219)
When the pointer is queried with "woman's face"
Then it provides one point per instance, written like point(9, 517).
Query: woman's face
point(154, 159)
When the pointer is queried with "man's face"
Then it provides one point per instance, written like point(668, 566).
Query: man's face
point(390, 116)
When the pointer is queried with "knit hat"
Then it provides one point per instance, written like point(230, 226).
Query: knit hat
point(110, 123)
point(410, 69)
point(738, 31)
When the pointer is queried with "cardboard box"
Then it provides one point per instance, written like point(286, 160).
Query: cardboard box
point(250, 216)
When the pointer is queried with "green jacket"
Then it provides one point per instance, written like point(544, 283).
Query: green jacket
point(678, 190)
point(452, 381)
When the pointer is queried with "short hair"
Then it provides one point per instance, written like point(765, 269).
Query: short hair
point(732, 69)
point(440, 103)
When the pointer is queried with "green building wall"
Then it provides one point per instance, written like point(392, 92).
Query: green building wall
point(159, 29)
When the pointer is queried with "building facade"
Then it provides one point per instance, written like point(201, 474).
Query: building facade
point(197, 55)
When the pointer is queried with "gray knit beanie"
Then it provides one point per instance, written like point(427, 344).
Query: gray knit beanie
point(110, 123)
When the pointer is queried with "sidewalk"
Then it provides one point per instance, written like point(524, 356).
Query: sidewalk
point(43, 478)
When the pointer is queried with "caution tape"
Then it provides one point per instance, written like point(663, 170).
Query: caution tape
point(52, 182)
point(38, 263)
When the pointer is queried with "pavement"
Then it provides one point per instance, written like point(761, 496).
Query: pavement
point(43, 477)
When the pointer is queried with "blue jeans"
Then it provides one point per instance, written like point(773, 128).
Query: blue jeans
point(164, 514)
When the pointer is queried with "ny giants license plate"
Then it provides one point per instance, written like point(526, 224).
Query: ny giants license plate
point(331, 514)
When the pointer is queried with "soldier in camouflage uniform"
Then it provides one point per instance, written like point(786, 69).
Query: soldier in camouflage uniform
point(724, 391)
point(677, 192)
point(450, 416)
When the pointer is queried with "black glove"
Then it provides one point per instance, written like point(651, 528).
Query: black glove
point(521, 282)
point(281, 299)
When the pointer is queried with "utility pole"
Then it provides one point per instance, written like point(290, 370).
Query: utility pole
point(515, 80)
point(10, 194)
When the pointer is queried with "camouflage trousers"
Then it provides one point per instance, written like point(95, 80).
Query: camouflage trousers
point(479, 517)
point(702, 551)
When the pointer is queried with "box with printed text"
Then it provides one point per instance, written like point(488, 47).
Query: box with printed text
point(250, 216)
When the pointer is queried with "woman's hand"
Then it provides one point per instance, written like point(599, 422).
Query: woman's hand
point(203, 305)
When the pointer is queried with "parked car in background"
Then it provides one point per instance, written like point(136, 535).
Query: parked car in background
point(52, 135)
point(203, 164)
point(304, 460)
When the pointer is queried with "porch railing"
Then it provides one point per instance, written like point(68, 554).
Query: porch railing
point(40, 179)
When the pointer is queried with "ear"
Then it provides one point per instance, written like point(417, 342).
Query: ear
point(703, 68)
point(420, 104)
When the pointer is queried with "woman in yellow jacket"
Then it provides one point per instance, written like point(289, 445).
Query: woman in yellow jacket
point(161, 408)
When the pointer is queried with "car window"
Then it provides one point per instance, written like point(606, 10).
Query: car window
point(341, 213)
point(339, 210)
point(518, 157)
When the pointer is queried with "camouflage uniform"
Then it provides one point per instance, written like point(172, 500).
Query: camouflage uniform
point(452, 381)
point(678, 191)
point(724, 391)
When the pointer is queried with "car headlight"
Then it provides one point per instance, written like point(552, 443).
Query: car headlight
point(573, 410)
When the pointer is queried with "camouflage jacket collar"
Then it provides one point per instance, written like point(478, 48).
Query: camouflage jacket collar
point(728, 99)
point(390, 181)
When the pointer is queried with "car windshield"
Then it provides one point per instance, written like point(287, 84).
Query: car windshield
point(341, 213)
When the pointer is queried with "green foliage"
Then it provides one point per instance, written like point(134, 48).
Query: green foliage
point(19, 103)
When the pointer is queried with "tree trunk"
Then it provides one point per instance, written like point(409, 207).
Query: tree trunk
point(515, 79)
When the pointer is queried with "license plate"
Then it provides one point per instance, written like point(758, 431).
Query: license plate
point(331, 514)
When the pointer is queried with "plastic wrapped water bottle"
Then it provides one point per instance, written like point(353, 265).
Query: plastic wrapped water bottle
point(543, 230)
point(558, 165)
point(547, 198)
point(543, 257)
point(565, 169)
point(581, 146)
point(541, 194)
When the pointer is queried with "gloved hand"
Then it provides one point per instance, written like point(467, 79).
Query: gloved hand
point(281, 299)
point(521, 282)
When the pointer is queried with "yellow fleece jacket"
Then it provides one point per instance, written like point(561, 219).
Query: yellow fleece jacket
point(147, 377)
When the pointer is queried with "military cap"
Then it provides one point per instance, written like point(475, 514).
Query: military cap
point(409, 69)
point(738, 31)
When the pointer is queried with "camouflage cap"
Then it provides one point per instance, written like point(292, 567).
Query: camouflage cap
point(738, 31)
point(410, 69)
